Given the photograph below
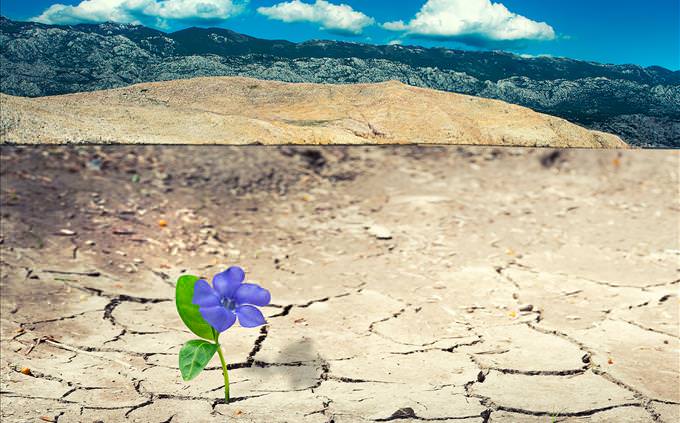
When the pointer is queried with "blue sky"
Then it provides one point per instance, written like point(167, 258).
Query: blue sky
point(622, 31)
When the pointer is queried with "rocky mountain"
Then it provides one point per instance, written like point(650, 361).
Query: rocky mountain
point(239, 110)
point(642, 105)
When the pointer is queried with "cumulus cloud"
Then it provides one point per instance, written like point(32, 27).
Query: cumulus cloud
point(339, 18)
point(472, 21)
point(154, 12)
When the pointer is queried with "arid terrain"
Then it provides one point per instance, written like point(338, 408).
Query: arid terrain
point(409, 283)
point(235, 110)
point(639, 104)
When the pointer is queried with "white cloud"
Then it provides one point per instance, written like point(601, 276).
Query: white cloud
point(472, 21)
point(153, 12)
point(339, 18)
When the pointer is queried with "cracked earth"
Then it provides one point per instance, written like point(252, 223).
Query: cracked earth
point(408, 284)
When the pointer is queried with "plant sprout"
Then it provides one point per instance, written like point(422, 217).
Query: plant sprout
point(210, 310)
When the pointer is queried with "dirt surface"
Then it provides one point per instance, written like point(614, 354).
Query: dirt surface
point(235, 110)
point(408, 283)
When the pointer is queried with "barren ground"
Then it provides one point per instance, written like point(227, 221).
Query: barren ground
point(446, 284)
point(234, 110)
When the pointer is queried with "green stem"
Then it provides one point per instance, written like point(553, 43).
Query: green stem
point(224, 370)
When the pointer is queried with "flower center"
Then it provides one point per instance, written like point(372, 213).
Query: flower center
point(228, 303)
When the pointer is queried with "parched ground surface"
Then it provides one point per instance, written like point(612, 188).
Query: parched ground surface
point(409, 284)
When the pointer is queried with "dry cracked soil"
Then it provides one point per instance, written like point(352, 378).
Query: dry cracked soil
point(408, 283)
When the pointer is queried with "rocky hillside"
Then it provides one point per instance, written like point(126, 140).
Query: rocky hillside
point(642, 105)
point(239, 110)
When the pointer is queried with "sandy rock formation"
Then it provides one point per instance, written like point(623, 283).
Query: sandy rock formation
point(236, 110)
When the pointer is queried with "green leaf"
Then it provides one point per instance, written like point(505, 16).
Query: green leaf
point(184, 293)
point(194, 356)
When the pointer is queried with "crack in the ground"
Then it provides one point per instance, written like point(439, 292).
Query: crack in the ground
point(325, 403)
point(660, 332)
point(92, 274)
point(408, 413)
point(58, 319)
point(284, 312)
point(447, 349)
point(500, 270)
point(119, 299)
point(116, 338)
point(344, 379)
point(565, 372)
point(583, 413)
point(10, 394)
point(40, 375)
point(58, 416)
point(258, 344)
point(594, 281)
point(371, 327)
point(287, 308)
point(116, 298)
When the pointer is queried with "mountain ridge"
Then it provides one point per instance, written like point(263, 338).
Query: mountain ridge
point(641, 104)
point(343, 49)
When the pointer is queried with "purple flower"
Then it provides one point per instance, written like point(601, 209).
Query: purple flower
point(229, 298)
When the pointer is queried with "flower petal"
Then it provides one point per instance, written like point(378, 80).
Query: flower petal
point(249, 316)
point(227, 282)
point(205, 295)
point(219, 317)
point(250, 293)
